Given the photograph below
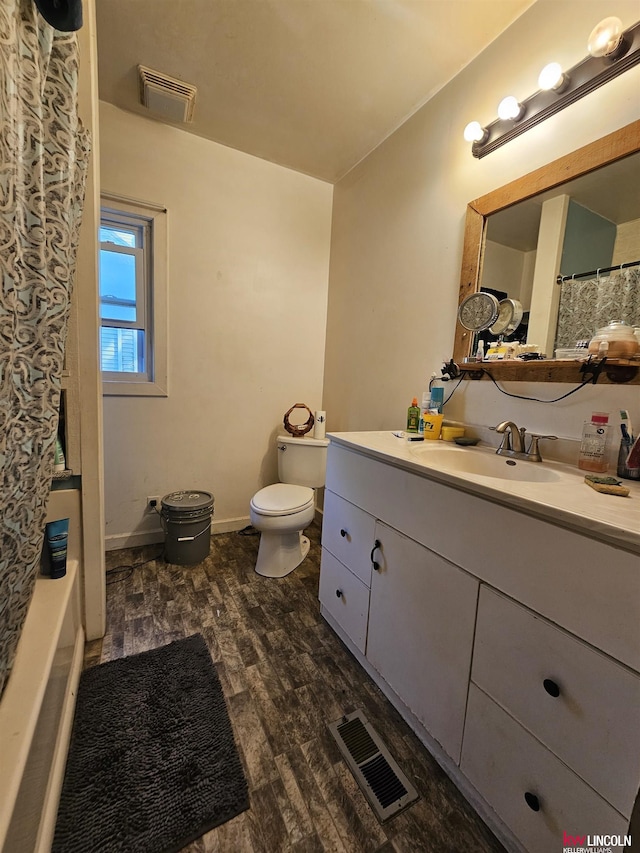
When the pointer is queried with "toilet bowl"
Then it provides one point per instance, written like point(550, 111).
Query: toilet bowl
point(283, 510)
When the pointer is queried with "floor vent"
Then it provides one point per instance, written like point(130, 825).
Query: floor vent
point(382, 782)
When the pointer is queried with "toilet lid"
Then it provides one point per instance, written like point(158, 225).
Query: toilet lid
point(282, 499)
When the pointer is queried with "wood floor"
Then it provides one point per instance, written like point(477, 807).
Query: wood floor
point(285, 676)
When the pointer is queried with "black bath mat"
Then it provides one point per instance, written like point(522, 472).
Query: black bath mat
point(152, 763)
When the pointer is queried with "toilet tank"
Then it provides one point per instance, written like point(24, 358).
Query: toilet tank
point(302, 461)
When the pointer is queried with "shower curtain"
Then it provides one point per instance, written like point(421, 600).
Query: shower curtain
point(43, 158)
point(588, 305)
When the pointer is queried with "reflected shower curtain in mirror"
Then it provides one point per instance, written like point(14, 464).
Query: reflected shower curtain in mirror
point(587, 305)
point(43, 157)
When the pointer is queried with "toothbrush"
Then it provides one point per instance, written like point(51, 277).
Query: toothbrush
point(625, 426)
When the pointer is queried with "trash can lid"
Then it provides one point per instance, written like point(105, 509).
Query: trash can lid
point(187, 500)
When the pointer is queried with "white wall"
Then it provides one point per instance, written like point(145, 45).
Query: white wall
point(248, 278)
point(398, 224)
point(508, 270)
point(627, 245)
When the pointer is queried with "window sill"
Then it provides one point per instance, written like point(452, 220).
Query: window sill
point(133, 389)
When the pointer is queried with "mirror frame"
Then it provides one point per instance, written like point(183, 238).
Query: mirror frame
point(610, 148)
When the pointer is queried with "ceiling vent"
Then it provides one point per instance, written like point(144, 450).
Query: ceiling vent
point(166, 96)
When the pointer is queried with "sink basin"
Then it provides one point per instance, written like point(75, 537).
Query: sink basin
point(483, 463)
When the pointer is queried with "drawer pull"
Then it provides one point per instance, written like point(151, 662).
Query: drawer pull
point(532, 801)
point(376, 566)
point(551, 687)
point(339, 593)
point(343, 533)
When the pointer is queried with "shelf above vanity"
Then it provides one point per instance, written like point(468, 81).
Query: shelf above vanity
point(614, 371)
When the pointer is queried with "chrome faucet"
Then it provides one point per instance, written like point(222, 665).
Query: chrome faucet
point(513, 442)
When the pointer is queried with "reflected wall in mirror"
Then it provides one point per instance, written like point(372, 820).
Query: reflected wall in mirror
point(578, 213)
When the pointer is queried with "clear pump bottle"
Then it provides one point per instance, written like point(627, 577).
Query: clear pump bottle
point(594, 445)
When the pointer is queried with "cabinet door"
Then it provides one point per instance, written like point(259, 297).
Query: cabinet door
point(421, 622)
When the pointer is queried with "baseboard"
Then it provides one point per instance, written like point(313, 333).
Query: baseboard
point(230, 525)
point(133, 540)
point(152, 537)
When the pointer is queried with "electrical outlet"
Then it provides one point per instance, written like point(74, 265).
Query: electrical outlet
point(153, 502)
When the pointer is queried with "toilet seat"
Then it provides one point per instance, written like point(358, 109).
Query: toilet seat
point(282, 499)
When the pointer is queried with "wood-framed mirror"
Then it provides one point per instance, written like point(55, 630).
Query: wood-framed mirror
point(611, 148)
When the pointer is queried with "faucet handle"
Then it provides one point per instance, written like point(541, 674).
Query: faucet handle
point(534, 453)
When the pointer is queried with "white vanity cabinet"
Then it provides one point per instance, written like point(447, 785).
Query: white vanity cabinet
point(421, 652)
point(522, 677)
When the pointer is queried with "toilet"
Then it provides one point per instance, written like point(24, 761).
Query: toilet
point(282, 511)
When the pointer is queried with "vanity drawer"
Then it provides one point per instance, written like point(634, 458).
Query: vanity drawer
point(345, 597)
point(347, 532)
point(504, 762)
point(592, 725)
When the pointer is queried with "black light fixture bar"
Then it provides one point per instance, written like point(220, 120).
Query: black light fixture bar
point(585, 77)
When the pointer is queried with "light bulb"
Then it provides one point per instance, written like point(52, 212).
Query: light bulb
point(510, 108)
point(474, 132)
point(605, 37)
point(552, 77)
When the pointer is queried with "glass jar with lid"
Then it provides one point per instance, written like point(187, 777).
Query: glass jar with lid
point(617, 340)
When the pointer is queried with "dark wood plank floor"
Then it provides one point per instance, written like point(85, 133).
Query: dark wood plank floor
point(285, 676)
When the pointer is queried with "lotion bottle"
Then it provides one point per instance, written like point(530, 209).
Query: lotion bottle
point(436, 400)
point(593, 447)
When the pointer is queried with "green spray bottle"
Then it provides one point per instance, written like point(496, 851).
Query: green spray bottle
point(413, 416)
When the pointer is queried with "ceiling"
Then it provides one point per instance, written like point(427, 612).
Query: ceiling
point(611, 192)
point(314, 85)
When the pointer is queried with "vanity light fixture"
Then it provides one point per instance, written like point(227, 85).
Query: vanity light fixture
point(612, 51)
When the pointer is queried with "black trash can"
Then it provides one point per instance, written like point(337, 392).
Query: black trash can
point(186, 520)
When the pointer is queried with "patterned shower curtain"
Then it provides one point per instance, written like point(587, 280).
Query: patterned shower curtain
point(43, 158)
point(588, 305)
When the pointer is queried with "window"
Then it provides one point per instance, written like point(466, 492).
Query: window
point(132, 276)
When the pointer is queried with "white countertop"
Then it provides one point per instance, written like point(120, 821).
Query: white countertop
point(567, 501)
